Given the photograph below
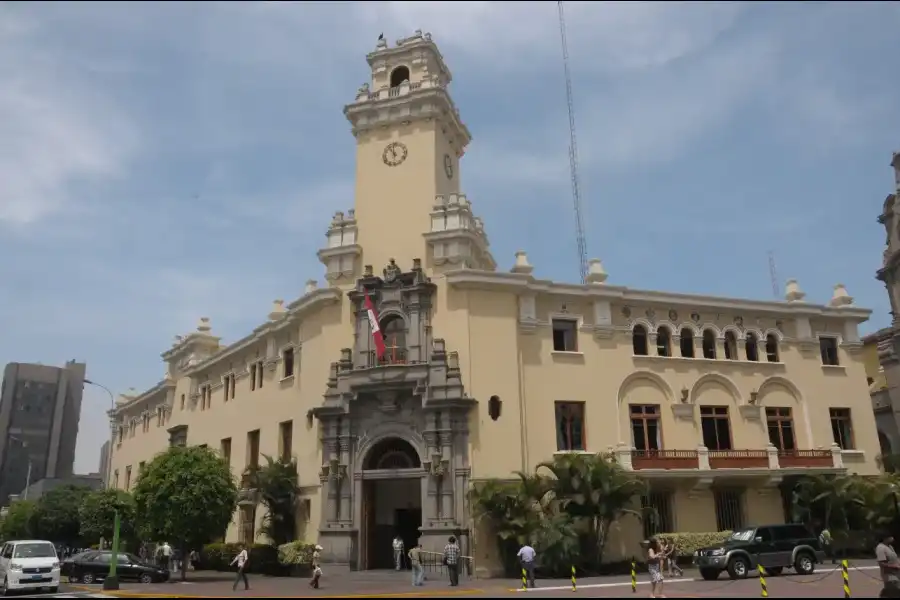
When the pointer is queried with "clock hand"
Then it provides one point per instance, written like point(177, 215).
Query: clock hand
point(393, 152)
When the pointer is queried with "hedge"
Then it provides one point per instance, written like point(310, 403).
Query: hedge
point(689, 542)
point(263, 558)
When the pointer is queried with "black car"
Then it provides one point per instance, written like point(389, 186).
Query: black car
point(89, 567)
point(775, 547)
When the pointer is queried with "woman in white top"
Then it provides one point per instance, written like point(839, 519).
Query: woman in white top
point(241, 559)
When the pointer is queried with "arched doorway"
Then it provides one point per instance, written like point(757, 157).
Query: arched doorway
point(392, 500)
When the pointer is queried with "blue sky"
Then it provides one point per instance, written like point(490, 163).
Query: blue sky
point(162, 162)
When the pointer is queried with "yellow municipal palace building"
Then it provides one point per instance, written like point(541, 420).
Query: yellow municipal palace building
point(715, 401)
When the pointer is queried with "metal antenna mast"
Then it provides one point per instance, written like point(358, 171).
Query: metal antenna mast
point(773, 275)
point(573, 151)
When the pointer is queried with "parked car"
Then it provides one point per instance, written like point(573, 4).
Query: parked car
point(92, 566)
point(775, 547)
point(29, 565)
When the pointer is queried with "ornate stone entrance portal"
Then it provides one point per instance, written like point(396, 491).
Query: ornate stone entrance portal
point(395, 435)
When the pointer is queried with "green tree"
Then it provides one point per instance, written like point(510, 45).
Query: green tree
point(826, 500)
point(186, 496)
point(277, 485)
point(19, 522)
point(56, 514)
point(596, 492)
point(97, 515)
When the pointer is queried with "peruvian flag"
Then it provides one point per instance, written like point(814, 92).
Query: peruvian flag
point(376, 331)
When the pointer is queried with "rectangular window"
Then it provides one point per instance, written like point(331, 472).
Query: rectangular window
point(646, 429)
point(842, 427)
point(127, 478)
point(781, 428)
point(829, 349)
point(287, 358)
point(716, 427)
point(253, 377)
point(663, 521)
point(306, 505)
point(565, 335)
point(116, 478)
point(182, 402)
point(141, 466)
point(729, 510)
point(286, 440)
point(225, 449)
point(253, 448)
point(260, 374)
point(570, 430)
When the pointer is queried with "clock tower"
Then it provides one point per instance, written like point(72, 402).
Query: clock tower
point(409, 141)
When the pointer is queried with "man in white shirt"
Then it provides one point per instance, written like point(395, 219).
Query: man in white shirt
point(526, 556)
point(241, 559)
point(166, 556)
point(398, 552)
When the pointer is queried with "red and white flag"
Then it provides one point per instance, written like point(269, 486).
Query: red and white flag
point(376, 330)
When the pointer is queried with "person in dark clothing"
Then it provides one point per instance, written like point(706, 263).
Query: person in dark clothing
point(451, 560)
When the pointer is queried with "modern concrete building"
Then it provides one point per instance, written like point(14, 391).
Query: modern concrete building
point(882, 348)
point(103, 467)
point(93, 481)
point(715, 401)
point(40, 408)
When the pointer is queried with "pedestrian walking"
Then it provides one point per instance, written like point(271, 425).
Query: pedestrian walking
point(828, 545)
point(889, 565)
point(671, 550)
point(316, 568)
point(526, 558)
point(451, 560)
point(241, 560)
point(415, 561)
point(655, 558)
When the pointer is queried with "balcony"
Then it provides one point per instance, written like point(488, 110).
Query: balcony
point(392, 356)
point(738, 459)
point(664, 459)
point(805, 459)
point(731, 462)
point(247, 494)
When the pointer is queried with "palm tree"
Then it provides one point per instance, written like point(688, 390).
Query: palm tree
point(829, 500)
point(278, 490)
point(597, 491)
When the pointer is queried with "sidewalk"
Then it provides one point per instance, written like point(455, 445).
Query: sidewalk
point(361, 584)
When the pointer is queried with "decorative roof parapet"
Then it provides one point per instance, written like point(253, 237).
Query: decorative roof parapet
point(596, 273)
point(470, 278)
point(840, 298)
point(522, 266)
point(792, 291)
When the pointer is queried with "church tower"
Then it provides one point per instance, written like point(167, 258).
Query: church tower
point(409, 141)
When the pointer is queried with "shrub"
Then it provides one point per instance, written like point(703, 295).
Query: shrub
point(690, 542)
point(263, 558)
point(295, 553)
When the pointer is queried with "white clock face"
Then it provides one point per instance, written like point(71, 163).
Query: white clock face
point(448, 166)
point(394, 154)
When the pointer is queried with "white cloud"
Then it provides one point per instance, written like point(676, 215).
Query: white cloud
point(56, 131)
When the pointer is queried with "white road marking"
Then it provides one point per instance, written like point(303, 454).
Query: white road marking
point(628, 583)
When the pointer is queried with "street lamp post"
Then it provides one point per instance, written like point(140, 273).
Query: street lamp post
point(111, 582)
point(28, 474)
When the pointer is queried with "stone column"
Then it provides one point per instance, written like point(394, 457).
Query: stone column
point(446, 439)
point(345, 484)
point(334, 484)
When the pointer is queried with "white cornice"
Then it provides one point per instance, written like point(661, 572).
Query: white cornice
point(420, 103)
point(525, 284)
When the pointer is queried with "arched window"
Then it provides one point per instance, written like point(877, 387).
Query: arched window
point(399, 75)
point(663, 342)
point(731, 352)
point(772, 348)
point(394, 331)
point(639, 340)
point(392, 453)
point(751, 348)
point(709, 344)
point(687, 342)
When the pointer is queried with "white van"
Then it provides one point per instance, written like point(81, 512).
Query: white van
point(28, 565)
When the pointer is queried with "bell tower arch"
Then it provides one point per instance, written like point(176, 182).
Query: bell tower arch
point(409, 140)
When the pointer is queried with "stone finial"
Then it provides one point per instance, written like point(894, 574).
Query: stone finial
point(203, 326)
point(382, 43)
point(277, 310)
point(177, 340)
point(792, 291)
point(338, 217)
point(840, 298)
point(596, 272)
point(522, 265)
point(311, 286)
point(351, 214)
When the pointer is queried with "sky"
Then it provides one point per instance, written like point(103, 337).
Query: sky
point(165, 161)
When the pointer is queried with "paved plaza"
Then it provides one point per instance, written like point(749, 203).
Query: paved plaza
point(825, 583)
